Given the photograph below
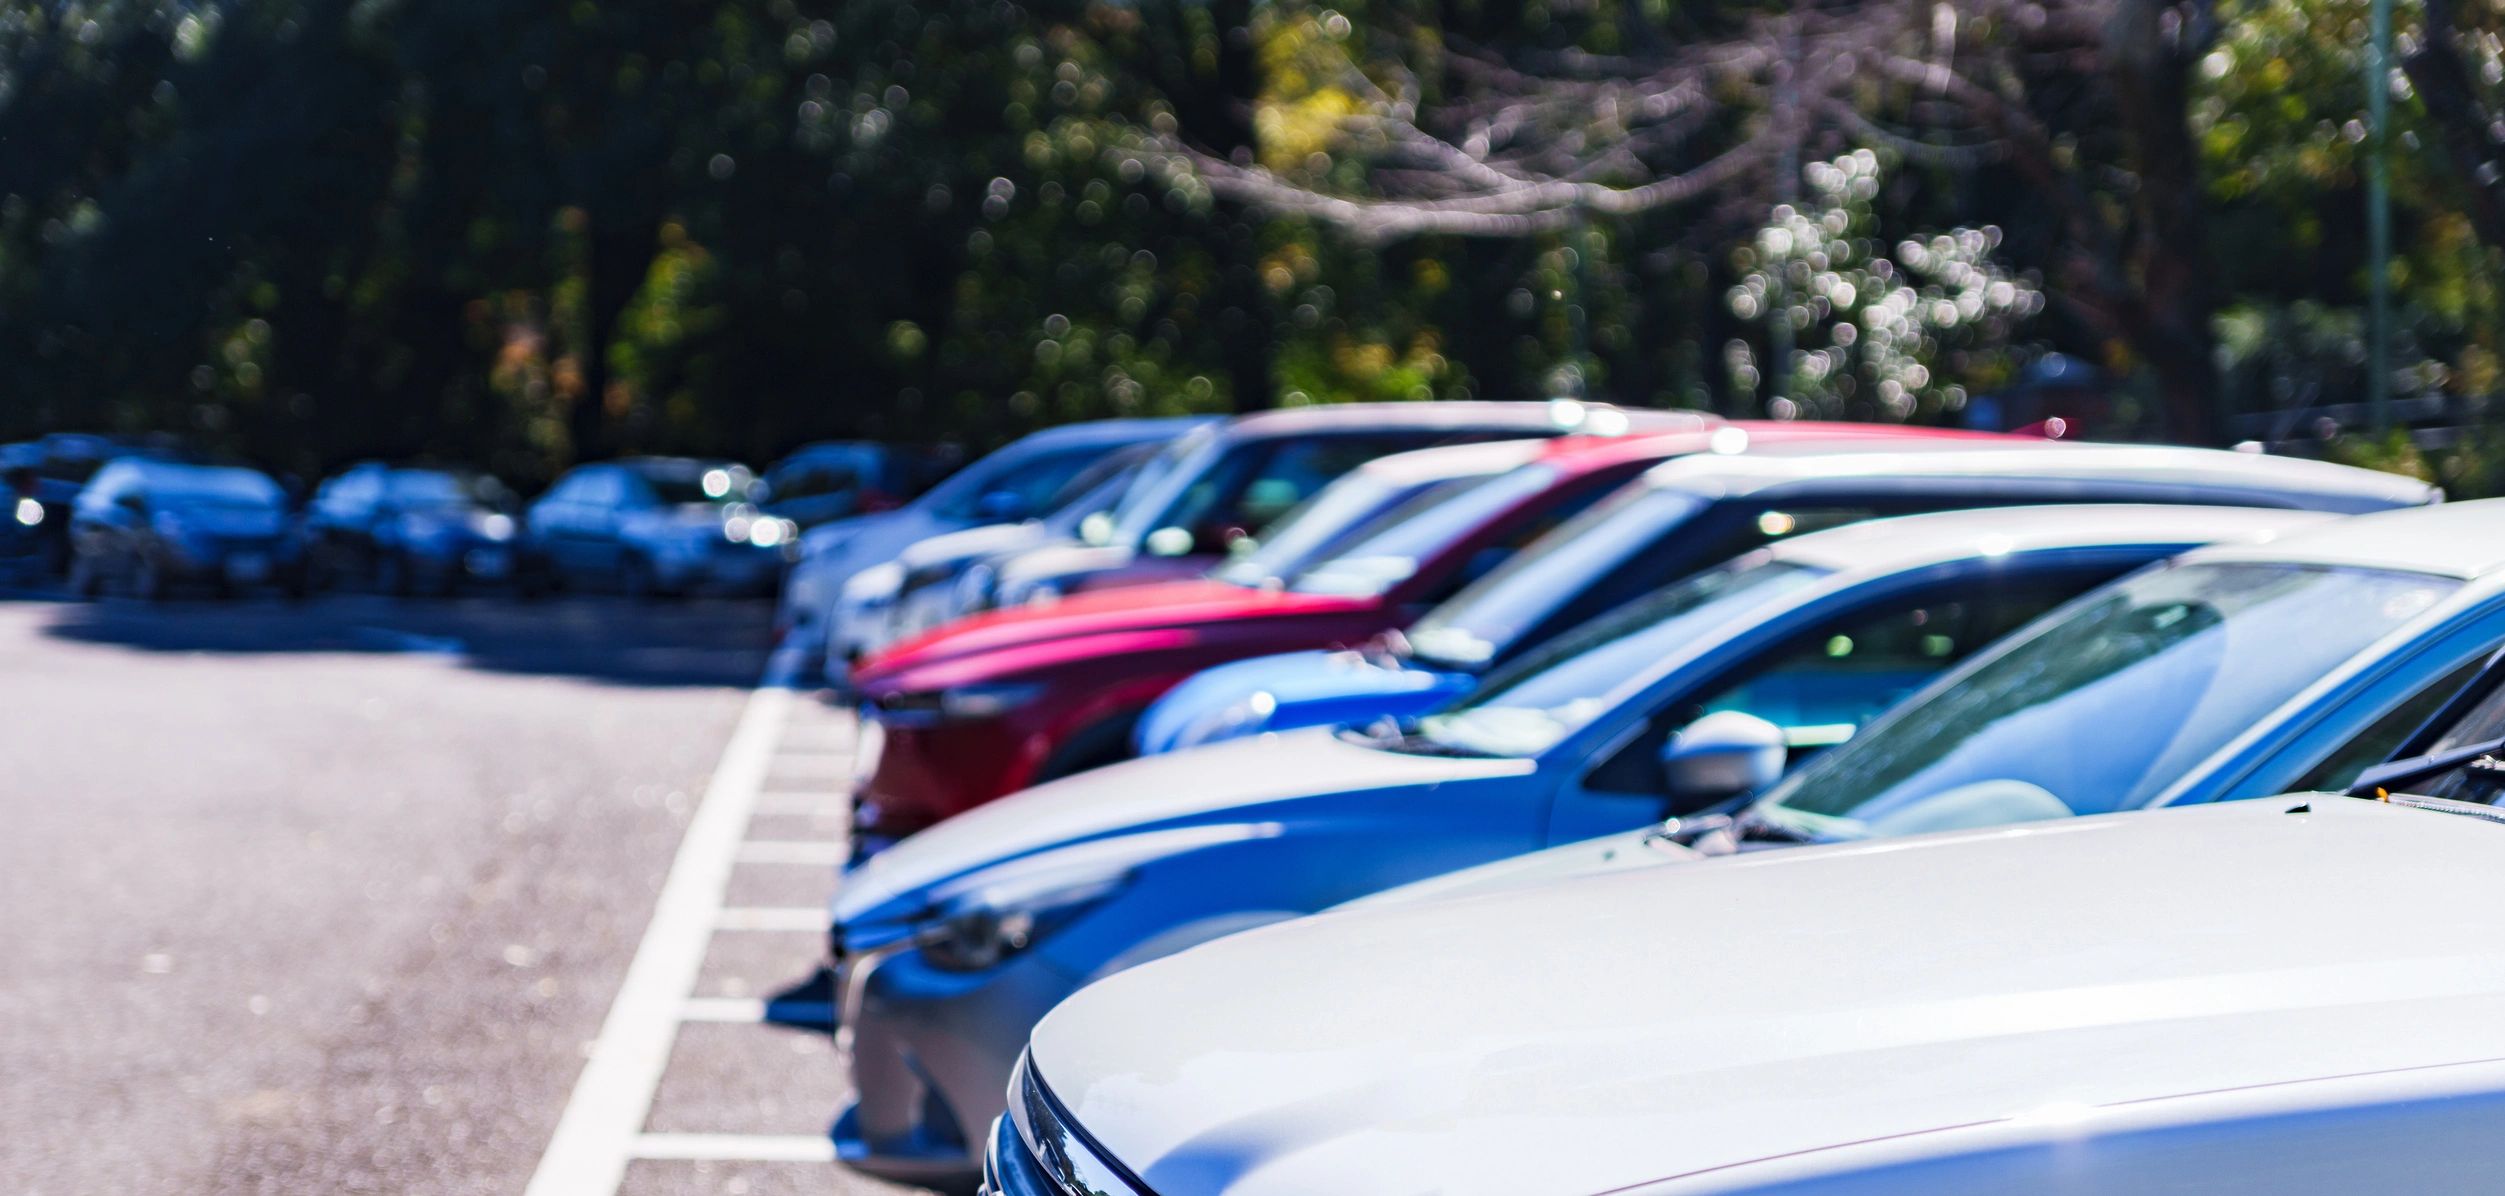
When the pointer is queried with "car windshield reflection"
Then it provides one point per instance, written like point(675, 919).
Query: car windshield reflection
point(2100, 708)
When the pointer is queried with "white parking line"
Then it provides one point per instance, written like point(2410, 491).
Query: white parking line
point(832, 805)
point(811, 918)
point(816, 853)
point(758, 1148)
point(813, 764)
point(602, 1123)
point(757, 1010)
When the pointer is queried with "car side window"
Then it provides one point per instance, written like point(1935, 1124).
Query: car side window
point(1822, 685)
point(2385, 735)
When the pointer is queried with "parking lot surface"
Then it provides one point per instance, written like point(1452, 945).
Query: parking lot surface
point(367, 895)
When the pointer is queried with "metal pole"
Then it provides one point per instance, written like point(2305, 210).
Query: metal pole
point(2379, 218)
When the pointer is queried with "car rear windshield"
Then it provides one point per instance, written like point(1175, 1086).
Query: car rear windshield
point(2103, 705)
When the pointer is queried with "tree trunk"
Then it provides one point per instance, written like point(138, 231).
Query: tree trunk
point(615, 261)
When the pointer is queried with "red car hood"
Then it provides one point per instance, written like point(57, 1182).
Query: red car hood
point(1122, 612)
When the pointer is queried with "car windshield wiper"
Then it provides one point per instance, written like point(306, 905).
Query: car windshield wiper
point(2379, 782)
point(1403, 736)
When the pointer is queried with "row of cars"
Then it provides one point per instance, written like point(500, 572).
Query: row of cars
point(1718, 807)
point(145, 517)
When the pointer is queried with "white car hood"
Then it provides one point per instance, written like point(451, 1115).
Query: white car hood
point(1692, 1022)
point(973, 542)
point(1225, 780)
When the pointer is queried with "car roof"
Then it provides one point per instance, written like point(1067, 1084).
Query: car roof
point(1531, 418)
point(2464, 539)
point(1116, 431)
point(1444, 461)
point(2115, 471)
point(1593, 453)
point(1910, 541)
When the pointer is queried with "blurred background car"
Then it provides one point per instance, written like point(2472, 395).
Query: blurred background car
point(1228, 482)
point(660, 526)
point(1815, 634)
point(147, 526)
point(832, 479)
point(917, 591)
point(1664, 527)
point(1009, 485)
point(51, 470)
point(412, 530)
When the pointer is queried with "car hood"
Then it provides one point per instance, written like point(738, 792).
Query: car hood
point(1619, 1029)
point(1148, 608)
point(1237, 781)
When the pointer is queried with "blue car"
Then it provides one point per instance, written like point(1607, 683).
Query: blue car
point(1688, 514)
point(953, 942)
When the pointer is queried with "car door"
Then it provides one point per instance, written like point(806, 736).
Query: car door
point(1819, 673)
point(561, 521)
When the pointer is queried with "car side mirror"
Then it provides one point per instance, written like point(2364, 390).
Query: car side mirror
point(1724, 755)
point(136, 504)
point(1002, 506)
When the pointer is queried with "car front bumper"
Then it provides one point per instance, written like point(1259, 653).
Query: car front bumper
point(932, 1053)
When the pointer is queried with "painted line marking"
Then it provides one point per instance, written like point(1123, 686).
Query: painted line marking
point(755, 1010)
point(735, 1148)
point(803, 803)
point(816, 852)
point(604, 1118)
point(773, 917)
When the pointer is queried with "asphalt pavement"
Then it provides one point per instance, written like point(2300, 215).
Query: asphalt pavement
point(341, 896)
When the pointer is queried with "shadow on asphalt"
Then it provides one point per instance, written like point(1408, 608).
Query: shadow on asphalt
point(605, 639)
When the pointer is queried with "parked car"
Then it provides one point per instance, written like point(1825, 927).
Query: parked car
point(1228, 482)
point(1645, 536)
point(915, 592)
point(410, 530)
point(998, 703)
point(28, 531)
point(51, 470)
point(1004, 487)
point(833, 479)
point(1081, 670)
point(2289, 997)
point(147, 526)
point(955, 941)
point(653, 526)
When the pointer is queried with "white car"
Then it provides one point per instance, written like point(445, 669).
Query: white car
point(2293, 997)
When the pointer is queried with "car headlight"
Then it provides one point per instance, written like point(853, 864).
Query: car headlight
point(493, 526)
point(955, 705)
point(29, 512)
point(987, 927)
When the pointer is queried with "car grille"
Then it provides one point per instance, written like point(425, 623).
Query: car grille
point(1037, 1151)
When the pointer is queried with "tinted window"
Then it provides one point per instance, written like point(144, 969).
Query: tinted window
point(1394, 550)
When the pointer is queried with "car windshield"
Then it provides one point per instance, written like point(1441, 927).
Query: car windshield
point(1534, 703)
point(214, 487)
point(1329, 521)
point(2101, 706)
point(711, 484)
point(1392, 548)
point(428, 489)
point(1146, 500)
point(1489, 616)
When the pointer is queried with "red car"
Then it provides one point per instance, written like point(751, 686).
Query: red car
point(993, 704)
